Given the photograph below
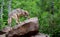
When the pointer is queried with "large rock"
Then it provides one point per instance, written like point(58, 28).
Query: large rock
point(30, 25)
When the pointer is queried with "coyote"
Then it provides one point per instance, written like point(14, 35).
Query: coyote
point(15, 14)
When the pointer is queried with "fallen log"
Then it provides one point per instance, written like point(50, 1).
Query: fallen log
point(29, 25)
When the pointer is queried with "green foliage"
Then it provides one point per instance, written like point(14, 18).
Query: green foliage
point(48, 23)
